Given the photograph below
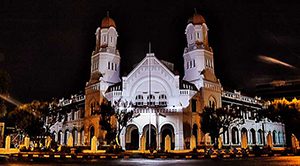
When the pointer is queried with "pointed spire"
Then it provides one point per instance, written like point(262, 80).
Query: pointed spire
point(149, 50)
point(195, 11)
point(107, 13)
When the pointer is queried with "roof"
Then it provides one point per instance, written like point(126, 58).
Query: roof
point(107, 22)
point(197, 19)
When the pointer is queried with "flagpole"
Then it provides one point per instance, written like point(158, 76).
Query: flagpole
point(149, 103)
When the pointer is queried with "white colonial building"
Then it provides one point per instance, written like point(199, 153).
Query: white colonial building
point(165, 103)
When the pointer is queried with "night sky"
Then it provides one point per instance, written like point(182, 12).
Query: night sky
point(46, 46)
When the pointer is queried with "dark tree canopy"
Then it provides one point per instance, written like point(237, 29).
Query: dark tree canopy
point(114, 118)
point(216, 121)
point(29, 118)
point(287, 112)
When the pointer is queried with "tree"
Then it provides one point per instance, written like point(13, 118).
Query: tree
point(217, 121)
point(29, 118)
point(114, 118)
point(287, 112)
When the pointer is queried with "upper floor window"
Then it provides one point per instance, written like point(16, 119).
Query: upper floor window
point(212, 102)
point(139, 100)
point(163, 100)
point(151, 100)
point(108, 65)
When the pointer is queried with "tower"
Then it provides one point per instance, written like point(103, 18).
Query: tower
point(105, 60)
point(199, 62)
point(105, 69)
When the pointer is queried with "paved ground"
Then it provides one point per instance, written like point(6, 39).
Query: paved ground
point(277, 161)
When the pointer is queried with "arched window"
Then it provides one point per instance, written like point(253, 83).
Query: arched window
point(226, 137)
point(260, 136)
point(253, 137)
point(163, 100)
point(279, 137)
point(94, 107)
point(212, 102)
point(274, 137)
point(235, 135)
point(139, 100)
point(151, 100)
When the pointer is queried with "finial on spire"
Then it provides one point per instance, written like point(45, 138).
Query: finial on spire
point(107, 13)
point(149, 47)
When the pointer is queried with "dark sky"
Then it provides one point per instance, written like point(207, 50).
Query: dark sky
point(46, 46)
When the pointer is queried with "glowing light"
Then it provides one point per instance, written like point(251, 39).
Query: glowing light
point(10, 100)
point(267, 59)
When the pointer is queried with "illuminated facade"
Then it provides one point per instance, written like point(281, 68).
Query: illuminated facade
point(251, 132)
point(165, 103)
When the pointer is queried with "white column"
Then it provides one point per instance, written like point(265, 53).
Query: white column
point(230, 136)
point(239, 134)
point(179, 142)
point(123, 139)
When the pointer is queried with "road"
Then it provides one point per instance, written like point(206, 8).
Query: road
point(276, 161)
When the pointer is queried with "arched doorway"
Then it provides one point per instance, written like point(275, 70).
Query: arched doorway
point(244, 138)
point(234, 136)
point(81, 142)
point(226, 137)
point(167, 129)
point(66, 136)
point(132, 137)
point(92, 133)
point(253, 136)
point(75, 136)
point(59, 137)
point(195, 133)
point(260, 137)
point(274, 137)
point(54, 136)
point(269, 139)
point(279, 138)
point(152, 141)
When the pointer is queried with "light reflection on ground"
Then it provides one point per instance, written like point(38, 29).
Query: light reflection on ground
point(277, 161)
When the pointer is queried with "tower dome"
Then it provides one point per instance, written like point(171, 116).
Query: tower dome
point(197, 19)
point(108, 22)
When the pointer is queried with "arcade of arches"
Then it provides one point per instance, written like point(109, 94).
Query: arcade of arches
point(136, 140)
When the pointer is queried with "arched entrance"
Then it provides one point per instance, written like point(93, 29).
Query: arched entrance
point(54, 135)
point(260, 137)
point(274, 137)
point(269, 139)
point(244, 138)
point(59, 137)
point(234, 136)
point(81, 142)
point(66, 136)
point(253, 136)
point(92, 133)
point(75, 136)
point(152, 141)
point(167, 129)
point(132, 137)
